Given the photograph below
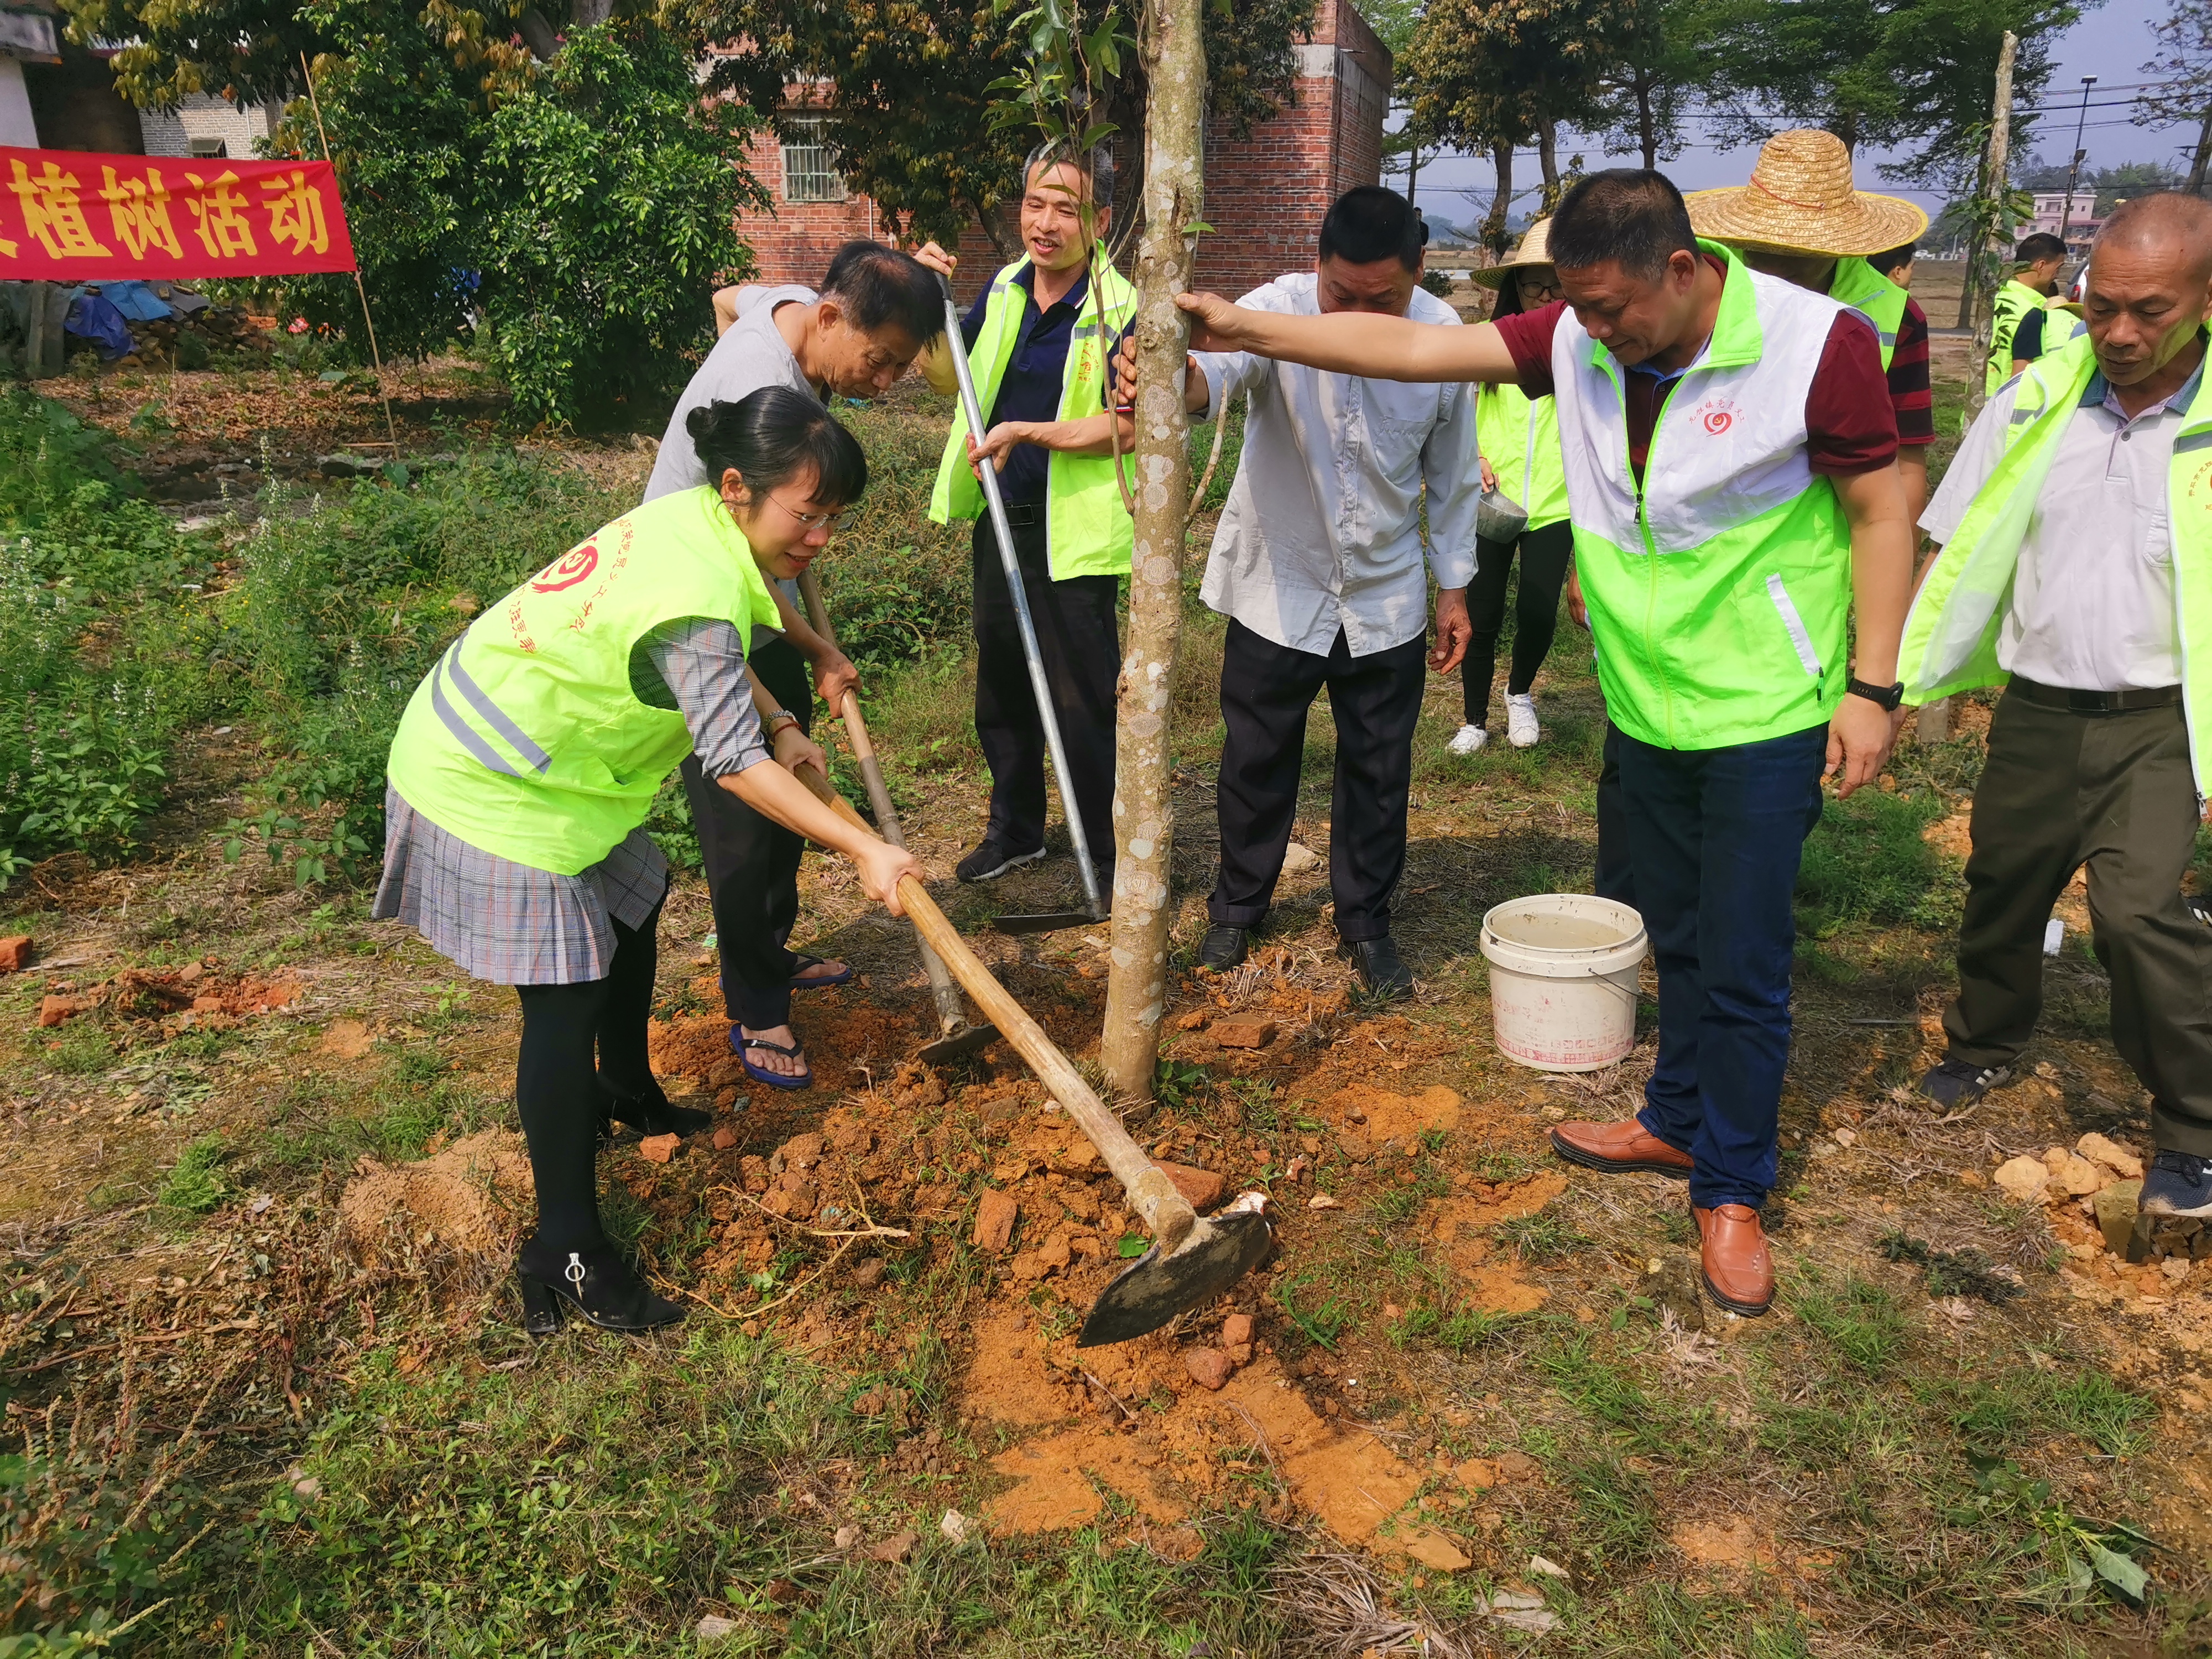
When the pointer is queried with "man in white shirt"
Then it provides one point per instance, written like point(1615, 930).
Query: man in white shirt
point(1318, 563)
point(2075, 543)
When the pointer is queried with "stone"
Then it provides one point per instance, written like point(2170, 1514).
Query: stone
point(1546, 1567)
point(14, 953)
point(1476, 1475)
point(2115, 1210)
point(2021, 1178)
point(1433, 1549)
point(895, 1548)
point(803, 1199)
point(1245, 1031)
point(658, 1149)
point(1200, 1189)
point(2099, 1150)
point(723, 1073)
point(1298, 858)
point(1209, 1368)
point(713, 1627)
point(955, 1526)
point(1236, 1329)
point(1192, 1020)
point(1323, 1201)
point(866, 1275)
point(2079, 1177)
point(725, 1136)
point(994, 1222)
point(1517, 1465)
point(1240, 1353)
point(801, 1151)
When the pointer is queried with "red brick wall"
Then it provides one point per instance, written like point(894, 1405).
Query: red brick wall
point(1264, 195)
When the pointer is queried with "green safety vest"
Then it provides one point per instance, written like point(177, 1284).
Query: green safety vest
point(2013, 301)
point(1088, 531)
point(1719, 588)
point(526, 739)
point(1950, 632)
point(1860, 286)
point(1521, 437)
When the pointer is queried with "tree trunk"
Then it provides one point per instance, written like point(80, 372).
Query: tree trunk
point(1997, 172)
point(1412, 173)
point(591, 12)
point(992, 223)
point(1647, 123)
point(1493, 225)
point(1144, 808)
point(1547, 160)
point(2196, 168)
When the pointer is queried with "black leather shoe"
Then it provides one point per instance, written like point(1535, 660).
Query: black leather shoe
point(596, 1282)
point(1380, 969)
point(1224, 947)
point(649, 1115)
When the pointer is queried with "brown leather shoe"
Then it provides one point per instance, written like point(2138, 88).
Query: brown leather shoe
point(1619, 1148)
point(1739, 1272)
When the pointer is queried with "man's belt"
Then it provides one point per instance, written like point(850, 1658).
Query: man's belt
point(2092, 702)
point(1020, 514)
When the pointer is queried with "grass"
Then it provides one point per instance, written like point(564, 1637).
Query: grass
point(1861, 1322)
point(196, 1183)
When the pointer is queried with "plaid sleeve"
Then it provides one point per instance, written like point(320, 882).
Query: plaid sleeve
point(701, 662)
point(1910, 394)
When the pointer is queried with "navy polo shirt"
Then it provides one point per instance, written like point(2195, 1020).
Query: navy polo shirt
point(1031, 388)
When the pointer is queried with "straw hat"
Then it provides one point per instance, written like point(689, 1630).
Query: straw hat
point(1531, 251)
point(1800, 200)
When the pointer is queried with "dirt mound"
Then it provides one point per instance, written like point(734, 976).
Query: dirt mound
point(198, 994)
point(473, 1198)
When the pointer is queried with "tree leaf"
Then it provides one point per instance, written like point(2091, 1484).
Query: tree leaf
point(2123, 1574)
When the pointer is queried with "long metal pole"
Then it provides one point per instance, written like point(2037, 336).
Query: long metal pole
point(973, 408)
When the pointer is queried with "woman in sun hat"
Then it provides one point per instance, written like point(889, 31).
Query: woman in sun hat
point(524, 768)
point(1801, 219)
point(1519, 439)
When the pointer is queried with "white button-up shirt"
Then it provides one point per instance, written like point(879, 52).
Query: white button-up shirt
point(1322, 529)
point(2092, 604)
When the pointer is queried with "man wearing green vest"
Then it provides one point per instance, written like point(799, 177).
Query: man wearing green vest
point(1801, 219)
point(2075, 569)
point(2016, 330)
point(1731, 475)
point(1039, 340)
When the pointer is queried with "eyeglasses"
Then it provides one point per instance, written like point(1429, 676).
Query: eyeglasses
point(842, 520)
point(1536, 290)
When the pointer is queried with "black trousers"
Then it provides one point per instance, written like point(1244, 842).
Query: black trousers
point(1079, 637)
point(1544, 557)
point(1266, 690)
point(2060, 790)
point(1616, 879)
point(752, 865)
point(558, 1087)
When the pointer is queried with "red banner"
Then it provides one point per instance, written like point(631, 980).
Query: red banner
point(68, 216)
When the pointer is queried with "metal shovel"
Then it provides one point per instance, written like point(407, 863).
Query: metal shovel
point(955, 1035)
point(1049, 921)
point(1193, 1259)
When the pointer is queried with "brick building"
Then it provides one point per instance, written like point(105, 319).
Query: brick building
point(1265, 194)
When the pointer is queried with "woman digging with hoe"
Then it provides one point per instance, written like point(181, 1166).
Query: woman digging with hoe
point(525, 763)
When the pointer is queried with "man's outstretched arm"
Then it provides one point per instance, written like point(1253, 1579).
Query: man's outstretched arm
point(1352, 343)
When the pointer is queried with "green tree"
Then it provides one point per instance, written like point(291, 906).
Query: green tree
point(904, 89)
point(2183, 63)
point(1655, 73)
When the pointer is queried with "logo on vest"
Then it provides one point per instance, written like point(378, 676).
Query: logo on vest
point(1715, 414)
point(569, 569)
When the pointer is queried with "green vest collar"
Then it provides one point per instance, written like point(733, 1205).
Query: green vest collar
point(1736, 338)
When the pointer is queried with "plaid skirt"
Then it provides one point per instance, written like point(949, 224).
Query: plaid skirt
point(508, 922)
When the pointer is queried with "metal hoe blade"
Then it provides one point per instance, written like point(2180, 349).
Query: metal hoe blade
point(1045, 921)
point(964, 1040)
point(1218, 1251)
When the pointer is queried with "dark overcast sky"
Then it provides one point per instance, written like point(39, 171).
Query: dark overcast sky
point(2112, 43)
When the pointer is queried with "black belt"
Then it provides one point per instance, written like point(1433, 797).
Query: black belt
point(1024, 513)
point(2093, 702)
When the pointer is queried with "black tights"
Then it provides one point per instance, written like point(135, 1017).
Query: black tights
point(1544, 555)
point(559, 1089)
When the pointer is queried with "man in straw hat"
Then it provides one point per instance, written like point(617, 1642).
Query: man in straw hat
point(1732, 477)
point(2075, 569)
point(1801, 219)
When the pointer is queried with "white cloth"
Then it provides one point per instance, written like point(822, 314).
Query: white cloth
point(1322, 529)
point(2093, 602)
point(752, 354)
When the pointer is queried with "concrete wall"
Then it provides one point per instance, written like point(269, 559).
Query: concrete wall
point(210, 121)
point(17, 126)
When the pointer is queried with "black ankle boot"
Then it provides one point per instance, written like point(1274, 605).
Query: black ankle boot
point(595, 1281)
point(649, 1114)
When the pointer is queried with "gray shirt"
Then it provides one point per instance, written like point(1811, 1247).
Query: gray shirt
point(2092, 601)
point(752, 354)
point(1322, 529)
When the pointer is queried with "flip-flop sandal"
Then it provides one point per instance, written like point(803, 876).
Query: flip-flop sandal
point(773, 1079)
point(820, 982)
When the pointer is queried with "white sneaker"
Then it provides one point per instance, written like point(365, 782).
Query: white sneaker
point(1521, 728)
point(1467, 739)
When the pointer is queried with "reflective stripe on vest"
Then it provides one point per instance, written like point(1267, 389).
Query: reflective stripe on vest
point(1088, 531)
point(1950, 632)
point(2014, 300)
point(526, 739)
point(1860, 286)
point(1718, 590)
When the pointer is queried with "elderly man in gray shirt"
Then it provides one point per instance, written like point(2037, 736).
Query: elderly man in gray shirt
point(2077, 559)
point(1319, 565)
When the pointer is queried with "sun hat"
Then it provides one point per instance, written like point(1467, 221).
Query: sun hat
point(1530, 252)
point(1800, 200)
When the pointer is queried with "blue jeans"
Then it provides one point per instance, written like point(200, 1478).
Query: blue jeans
point(1715, 837)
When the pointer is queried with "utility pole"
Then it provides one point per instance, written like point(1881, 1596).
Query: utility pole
point(2080, 126)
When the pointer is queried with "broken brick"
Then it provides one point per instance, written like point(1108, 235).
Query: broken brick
point(1245, 1031)
point(1236, 1329)
point(994, 1221)
point(658, 1149)
point(14, 953)
point(1209, 1368)
point(1200, 1189)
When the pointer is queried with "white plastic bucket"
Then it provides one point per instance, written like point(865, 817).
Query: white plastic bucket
point(1563, 980)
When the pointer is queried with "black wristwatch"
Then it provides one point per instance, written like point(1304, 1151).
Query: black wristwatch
point(1887, 696)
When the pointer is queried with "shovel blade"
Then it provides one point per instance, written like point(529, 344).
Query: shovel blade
point(1045, 921)
point(953, 1044)
point(1219, 1250)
